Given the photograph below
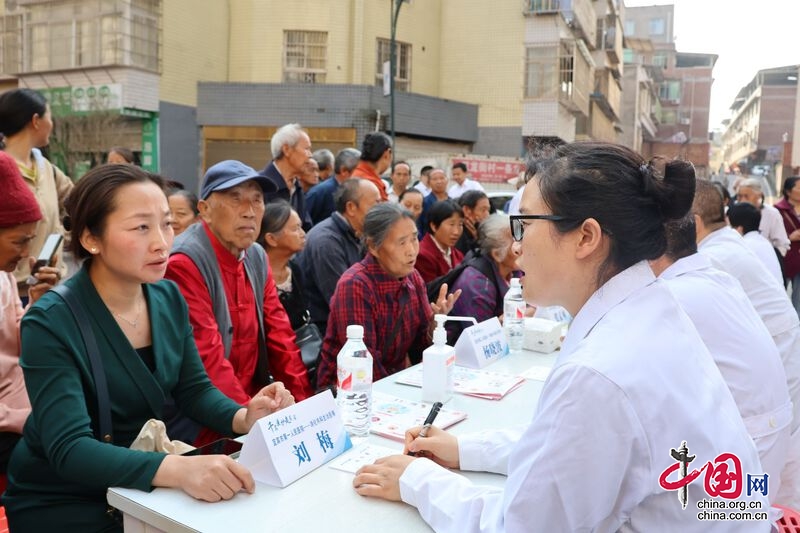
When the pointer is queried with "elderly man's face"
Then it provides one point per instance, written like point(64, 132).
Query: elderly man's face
point(234, 215)
point(401, 175)
point(310, 175)
point(298, 155)
point(438, 182)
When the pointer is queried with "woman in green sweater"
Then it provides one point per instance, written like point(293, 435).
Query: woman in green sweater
point(62, 467)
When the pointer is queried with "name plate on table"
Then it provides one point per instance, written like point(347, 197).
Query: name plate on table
point(286, 445)
point(481, 344)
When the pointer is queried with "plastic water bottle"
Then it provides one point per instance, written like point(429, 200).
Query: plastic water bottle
point(514, 316)
point(354, 383)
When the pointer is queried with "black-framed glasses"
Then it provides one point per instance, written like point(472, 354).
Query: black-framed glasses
point(518, 228)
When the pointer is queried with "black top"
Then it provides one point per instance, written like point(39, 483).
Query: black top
point(294, 301)
point(148, 356)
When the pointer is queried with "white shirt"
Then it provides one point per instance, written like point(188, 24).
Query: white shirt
point(424, 189)
point(772, 228)
point(456, 190)
point(727, 252)
point(513, 207)
point(744, 352)
point(632, 381)
point(765, 253)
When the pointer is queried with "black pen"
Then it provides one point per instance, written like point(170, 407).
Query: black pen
point(428, 422)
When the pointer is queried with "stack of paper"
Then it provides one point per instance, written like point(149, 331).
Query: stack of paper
point(392, 416)
point(470, 381)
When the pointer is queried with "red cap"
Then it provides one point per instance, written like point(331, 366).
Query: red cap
point(18, 205)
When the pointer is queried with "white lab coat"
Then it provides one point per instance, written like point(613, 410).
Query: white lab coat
point(772, 228)
point(632, 381)
point(727, 252)
point(762, 249)
point(744, 352)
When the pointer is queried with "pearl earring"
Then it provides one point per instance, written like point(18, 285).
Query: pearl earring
point(94, 250)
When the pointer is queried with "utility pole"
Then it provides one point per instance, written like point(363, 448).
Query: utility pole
point(395, 12)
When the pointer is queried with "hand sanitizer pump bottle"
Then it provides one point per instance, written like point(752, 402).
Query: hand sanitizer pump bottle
point(437, 365)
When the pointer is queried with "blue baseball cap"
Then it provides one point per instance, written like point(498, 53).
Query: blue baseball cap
point(227, 174)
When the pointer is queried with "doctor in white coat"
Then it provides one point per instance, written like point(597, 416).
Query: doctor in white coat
point(737, 340)
point(726, 250)
point(633, 381)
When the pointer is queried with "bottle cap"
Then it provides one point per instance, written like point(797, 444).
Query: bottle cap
point(355, 332)
point(440, 334)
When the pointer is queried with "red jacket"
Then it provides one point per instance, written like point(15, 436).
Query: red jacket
point(365, 171)
point(430, 261)
point(234, 376)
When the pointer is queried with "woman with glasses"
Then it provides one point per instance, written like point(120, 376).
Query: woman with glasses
point(633, 397)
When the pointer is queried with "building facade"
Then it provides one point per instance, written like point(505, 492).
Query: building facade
point(683, 83)
point(184, 91)
point(762, 122)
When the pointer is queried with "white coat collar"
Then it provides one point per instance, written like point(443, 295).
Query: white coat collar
point(611, 294)
point(721, 235)
point(686, 264)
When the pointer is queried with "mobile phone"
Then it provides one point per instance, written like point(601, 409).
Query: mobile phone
point(218, 447)
point(46, 255)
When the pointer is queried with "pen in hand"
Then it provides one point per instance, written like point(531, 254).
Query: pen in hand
point(428, 422)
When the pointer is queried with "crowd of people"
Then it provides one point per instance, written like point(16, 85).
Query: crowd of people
point(195, 304)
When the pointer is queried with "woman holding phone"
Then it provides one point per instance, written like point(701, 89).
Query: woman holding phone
point(633, 381)
point(19, 216)
point(25, 127)
point(61, 469)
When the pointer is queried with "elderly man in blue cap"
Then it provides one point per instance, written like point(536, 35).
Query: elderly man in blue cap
point(242, 331)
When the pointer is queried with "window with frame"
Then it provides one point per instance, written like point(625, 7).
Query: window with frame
point(660, 59)
point(541, 71)
point(657, 27)
point(89, 33)
point(402, 66)
point(305, 56)
point(544, 6)
point(670, 90)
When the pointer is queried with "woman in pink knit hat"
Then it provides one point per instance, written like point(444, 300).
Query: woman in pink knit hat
point(19, 217)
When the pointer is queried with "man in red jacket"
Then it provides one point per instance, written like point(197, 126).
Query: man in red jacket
point(242, 331)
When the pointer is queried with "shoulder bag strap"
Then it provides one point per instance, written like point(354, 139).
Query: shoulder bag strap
point(104, 432)
point(788, 218)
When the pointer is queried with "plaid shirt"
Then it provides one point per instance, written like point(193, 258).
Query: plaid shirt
point(368, 296)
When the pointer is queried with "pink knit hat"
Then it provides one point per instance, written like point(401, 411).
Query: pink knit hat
point(18, 205)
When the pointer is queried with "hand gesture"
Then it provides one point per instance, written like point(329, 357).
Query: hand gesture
point(438, 445)
point(271, 398)
point(444, 302)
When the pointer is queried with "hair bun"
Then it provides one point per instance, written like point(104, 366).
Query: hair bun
point(671, 184)
point(67, 222)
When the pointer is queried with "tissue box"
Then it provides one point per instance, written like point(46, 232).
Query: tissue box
point(542, 335)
